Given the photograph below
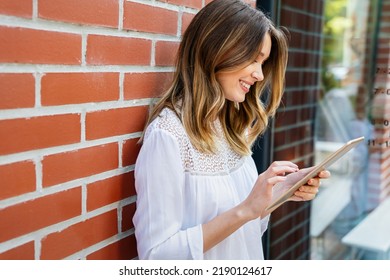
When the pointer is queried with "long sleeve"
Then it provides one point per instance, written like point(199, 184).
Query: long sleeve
point(158, 221)
point(264, 223)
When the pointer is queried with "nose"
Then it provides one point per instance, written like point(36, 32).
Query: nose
point(258, 73)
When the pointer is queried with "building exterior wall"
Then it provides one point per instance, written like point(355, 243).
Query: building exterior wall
point(76, 79)
point(294, 122)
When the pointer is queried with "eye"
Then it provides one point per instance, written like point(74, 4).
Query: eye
point(258, 62)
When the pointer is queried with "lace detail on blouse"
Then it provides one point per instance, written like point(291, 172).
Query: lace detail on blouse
point(224, 160)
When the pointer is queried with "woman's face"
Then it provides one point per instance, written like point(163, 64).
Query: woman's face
point(236, 83)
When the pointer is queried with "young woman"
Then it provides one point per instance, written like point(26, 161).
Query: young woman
point(199, 195)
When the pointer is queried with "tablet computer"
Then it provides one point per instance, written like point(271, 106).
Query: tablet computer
point(299, 178)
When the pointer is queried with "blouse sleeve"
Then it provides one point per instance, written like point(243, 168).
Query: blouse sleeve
point(264, 223)
point(158, 221)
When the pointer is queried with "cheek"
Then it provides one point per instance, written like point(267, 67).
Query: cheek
point(223, 81)
point(226, 79)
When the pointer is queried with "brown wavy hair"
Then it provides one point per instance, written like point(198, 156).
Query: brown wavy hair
point(225, 35)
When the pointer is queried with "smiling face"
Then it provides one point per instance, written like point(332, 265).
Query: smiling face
point(236, 83)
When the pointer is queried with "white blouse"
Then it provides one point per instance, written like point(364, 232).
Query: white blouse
point(179, 189)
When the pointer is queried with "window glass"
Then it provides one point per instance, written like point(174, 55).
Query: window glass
point(346, 217)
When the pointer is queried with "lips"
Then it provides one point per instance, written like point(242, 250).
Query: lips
point(245, 85)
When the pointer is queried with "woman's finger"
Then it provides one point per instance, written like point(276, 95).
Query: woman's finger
point(274, 180)
point(282, 170)
point(284, 163)
point(324, 174)
point(308, 189)
point(303, 196)
point(315, 182)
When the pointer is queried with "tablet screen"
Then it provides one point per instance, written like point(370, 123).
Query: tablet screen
point(299, 178)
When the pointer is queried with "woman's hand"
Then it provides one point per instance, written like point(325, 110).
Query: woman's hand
point(310, 189)
point(254, 205)
point(251, 208)
point(261, 194)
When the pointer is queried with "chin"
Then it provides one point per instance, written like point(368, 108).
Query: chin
point(236, 98)
point(240, 99)
point(235, 95)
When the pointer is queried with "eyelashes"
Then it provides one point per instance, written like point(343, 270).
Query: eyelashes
point(256, 61)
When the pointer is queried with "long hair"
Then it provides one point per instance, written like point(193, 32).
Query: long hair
point(225, 35)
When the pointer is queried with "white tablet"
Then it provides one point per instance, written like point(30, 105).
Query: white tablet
point(300, 177)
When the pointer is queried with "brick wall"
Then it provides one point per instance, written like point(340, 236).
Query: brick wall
point(76, 78)
point(294, 122)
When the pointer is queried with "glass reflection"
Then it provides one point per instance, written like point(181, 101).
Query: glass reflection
point(347, 217)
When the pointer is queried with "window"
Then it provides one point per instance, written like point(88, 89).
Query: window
point(354, 102)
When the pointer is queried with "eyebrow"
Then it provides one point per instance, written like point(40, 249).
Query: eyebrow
point(263, 56)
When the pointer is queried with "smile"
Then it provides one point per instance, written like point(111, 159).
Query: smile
point(245, 85)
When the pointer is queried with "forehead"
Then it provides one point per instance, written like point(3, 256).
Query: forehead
point(265, 47)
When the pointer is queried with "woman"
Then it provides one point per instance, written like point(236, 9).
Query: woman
point(198, 192)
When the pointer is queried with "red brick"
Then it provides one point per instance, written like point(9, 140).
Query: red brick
point(285, 154)
point(280, 138)
point(296, 39)
point(297, 59)
point(128, 212)
point(59, 245)
point(17, 91)
point(166, 53)
point(130, 151)
point(302, 21)
point(307, 114)
point(298, 133)
point(71, 88)
point(59, 168)
point(310, 79)
point(381, 41)
point(304, 149)
point(197, 4)
point(114, 122)
point(293, 79)
point(160, 20)
point(35, 214)
point(95, 12)
point(12, 184)
point(314, 7)
point(110, 190)
point(311, 42)
point(382, 60)
point(288, 18)
point(283, 225)
point(297, 97)
point(146, 85)
point(301, 5)
point(385, 30)
point(20, 8)
point(124, 249)
point(19, 135)
point(109, 50)
point(286, 118)
point(23, 252)
point(186, 20)
point(22, 45)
